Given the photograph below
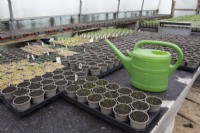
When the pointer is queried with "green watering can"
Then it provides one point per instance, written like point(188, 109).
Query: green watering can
point(149, 69)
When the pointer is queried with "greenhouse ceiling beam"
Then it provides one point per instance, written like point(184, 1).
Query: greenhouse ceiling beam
point(12, 25)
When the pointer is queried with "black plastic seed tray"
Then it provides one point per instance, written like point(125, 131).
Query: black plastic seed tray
point(110, 118)
point(33, 107)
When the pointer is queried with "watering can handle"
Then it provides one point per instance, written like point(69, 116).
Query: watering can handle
point(167, 44)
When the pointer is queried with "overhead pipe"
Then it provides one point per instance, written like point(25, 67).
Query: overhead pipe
point(12, 25)
point(118, 8)
point(80, 10)
point(141, 8)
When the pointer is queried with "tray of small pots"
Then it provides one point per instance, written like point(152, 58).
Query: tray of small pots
point(130, 110)
point(31, 95)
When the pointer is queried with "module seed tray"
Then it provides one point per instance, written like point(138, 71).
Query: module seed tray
point(33, 107)
point(110, 118)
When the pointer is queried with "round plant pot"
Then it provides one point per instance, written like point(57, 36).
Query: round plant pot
point(138, 95)
point(110, 64)
point(76, 70)
point(138, 119)
point(37, 96)
point(61, 84)
point(99, 90)
point(93, 100)
point(35, 86)
point(57, 72)
point(116, 62)
point(112, 86)
point(72, 64)
point(36, 80)
point(21, 92)
point(81, 75)
point(71, 90)
point(154, 102)
point(125, 91)
point(22, 103)
point(8, 92)
point(70, 79)
point(88, 85)
point(95, 70)
point(82, 94)
point(92, 79)
point(24, 85)
point(65, 63)
point(102, 82)
point(79, 82)
point(125, 99)
point(111, 94)
point(58, 77)
point(68, 73)
point(66, 69)
point(50, 90)
point(47, 76)
point(106, 106)
point(47, 82)
point(122, 112)
point(104, 67)
point(140, 105)
point(85, 69)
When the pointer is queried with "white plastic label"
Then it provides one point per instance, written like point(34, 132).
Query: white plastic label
point(66, 47)
point(84, 50)
point(28, 56)
point(28, 44)
point(51, 39)
point(42, 44)
point(80, 65)
point(0, 54)
point(62, 51)
point(58, 60)
point(91, 40)
point(33, 57)
point(76, 77)
point(48, 53)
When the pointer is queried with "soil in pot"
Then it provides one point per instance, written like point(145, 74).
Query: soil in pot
point(21, 100)
point(101, 82)
point(82, 94)
point(61, 85)
point(57, 72)
point(125, 99)
point(8, 92)
point(36, 80)
point(72, 88)
point(111, 94)
point(112, 86)
point(50, 90)
point(47, 76)
point(121, 112)
point(138, 95)
point(88, 85)
point(58, 77)
point(76, 70)
point(70, 79)
point(36, 93)
point(35, 86)
point(93, 100)
point(140, 105)
point(22, 103)
point(66, 69)
point(125, 91)
point(47, 82)
point(68, 73)
point(21, 92)
point(23, 84)
point(49, 87)
point(95, 70)
point(154, 102)
point(99, 90)
point(37, 96)
point(107, 106)
point(79, 82)
point(81, 75)
point(91, 78)
point(138, 119)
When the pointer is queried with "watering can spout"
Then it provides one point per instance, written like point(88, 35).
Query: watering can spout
point(125, 60)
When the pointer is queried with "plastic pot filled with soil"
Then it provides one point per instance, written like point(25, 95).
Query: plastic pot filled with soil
point(138, 95)
point(57, 72)
point(79, 82)
point(35, 86)
point(36, 80)
point(22, 103)
point(70, 79)
point(81, 75)
point(37, 96)
point(92, 79)
point(50, 90)
point(65, 63)
point(110, 64)
point(125, 91)
point(138, 119)
point(122, 112)
point(47, 76)
point(116, 62)
point(106, 106)
point(102, 82)
point(140, 105)
point(99, 90)
point(47, 82)
point(104, 67)
point(58, 77)
point(82, 94)
point(72, 64)
point(8, 92)
point(68, 73)
point(125, 99)
point(85, 69)
point(93, 100)
point(88, 85)
point(154, 102)
point(66, 69)
point(76, 70)
point(111, 94)
point(61, 84)
point(112, 86)
point(24, 85)
point(71, 90)
point(21, 92)
point(95, 70)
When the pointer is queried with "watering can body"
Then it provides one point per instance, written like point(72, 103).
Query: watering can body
point(149, 69)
